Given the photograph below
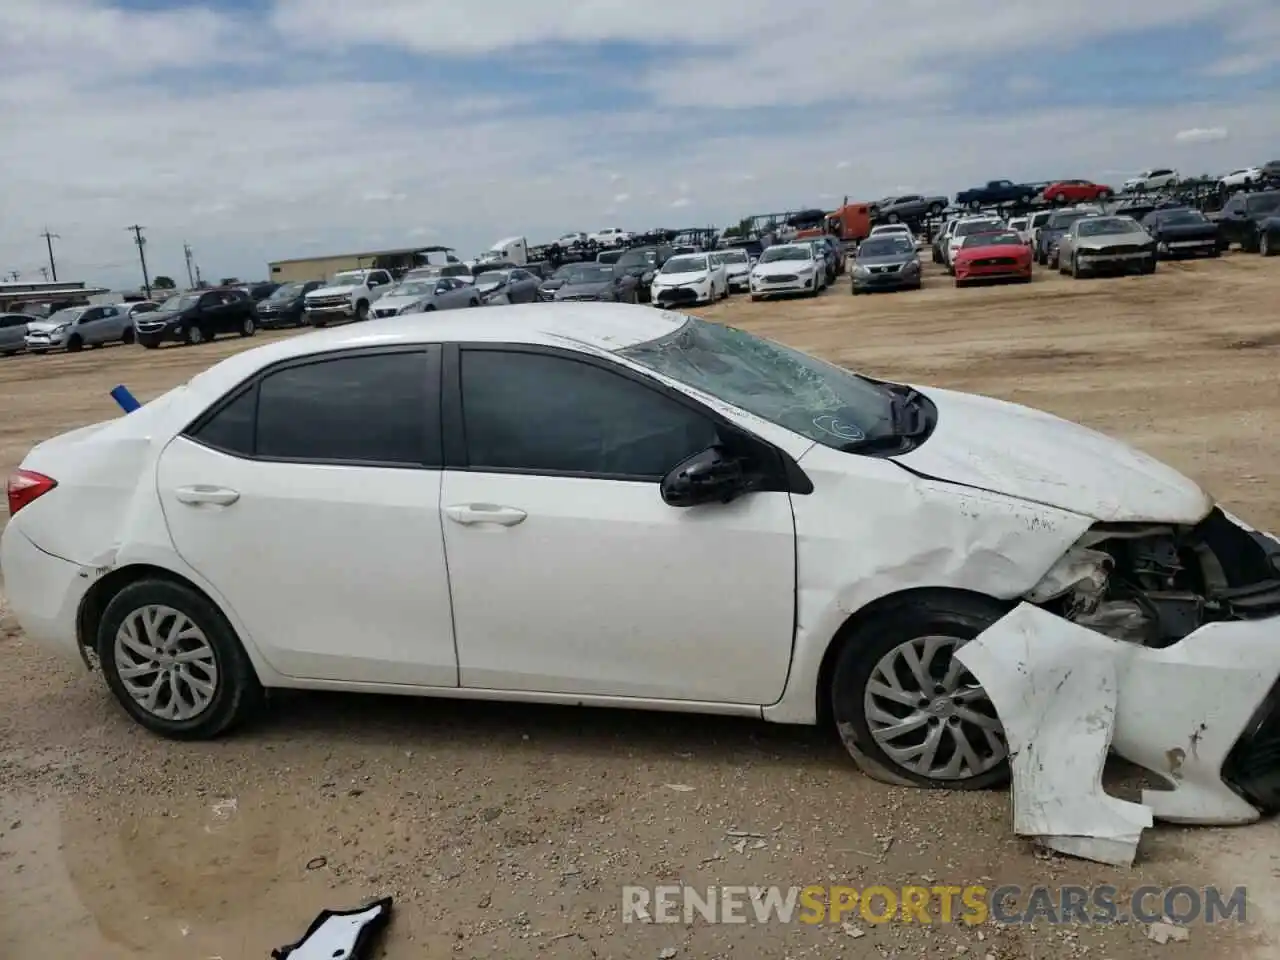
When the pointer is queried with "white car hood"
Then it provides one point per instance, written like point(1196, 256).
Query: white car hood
point(42, 326)
point(676, 279)
point(782, 266)
point(1014, 450)
point(331, 291)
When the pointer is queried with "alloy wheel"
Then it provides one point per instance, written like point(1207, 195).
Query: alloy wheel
point(166, 663)
point(929, 714)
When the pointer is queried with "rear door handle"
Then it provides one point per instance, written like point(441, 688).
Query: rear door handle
point(200, 494)
point(472, 513)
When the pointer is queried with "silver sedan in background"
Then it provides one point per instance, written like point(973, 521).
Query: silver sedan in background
point(425, 295)
point(1096, 244)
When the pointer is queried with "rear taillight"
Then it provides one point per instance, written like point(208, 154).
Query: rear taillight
point(26, 486)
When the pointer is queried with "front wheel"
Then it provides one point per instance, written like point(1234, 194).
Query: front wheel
point(908, 712)
point(174, 663)
point(127, 335)
point(1075, 268)
point(1265, 246)
point(75, 344)
point(195, 335)
point(362, 311)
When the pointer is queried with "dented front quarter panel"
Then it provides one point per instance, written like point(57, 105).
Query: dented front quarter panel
point(872, 528)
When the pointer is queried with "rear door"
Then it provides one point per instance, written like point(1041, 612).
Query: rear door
point(309, 499)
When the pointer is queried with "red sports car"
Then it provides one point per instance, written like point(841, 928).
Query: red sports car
point(993, 256)
point(1076, 191)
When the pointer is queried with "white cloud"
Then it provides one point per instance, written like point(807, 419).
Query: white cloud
point(166, 119)
point(1201, 135)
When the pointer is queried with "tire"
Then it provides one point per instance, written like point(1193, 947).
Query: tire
point(1075, 268)
point(75, 344)
point(893, 218)
point(1149, 266)
point(934, 624)
point(935, 209)
point(1104, 194)
point(195, 335)
point(474, 302)
point(1264, 246)
point(429, 308)
point(127, 336)
point(248, 328)
point(224, 666)
point(362, 311)
point(1060, 198)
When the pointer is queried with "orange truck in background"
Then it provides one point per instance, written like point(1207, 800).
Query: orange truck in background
point(851, 223)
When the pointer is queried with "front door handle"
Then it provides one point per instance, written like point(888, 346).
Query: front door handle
point(472, 513)
point(200, 494)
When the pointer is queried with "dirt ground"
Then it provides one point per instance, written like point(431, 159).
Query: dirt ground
point(509, 831)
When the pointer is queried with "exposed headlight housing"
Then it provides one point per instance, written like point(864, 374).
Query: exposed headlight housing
point(60, 328)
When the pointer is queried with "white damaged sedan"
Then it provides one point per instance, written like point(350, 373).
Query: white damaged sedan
point(601, 505)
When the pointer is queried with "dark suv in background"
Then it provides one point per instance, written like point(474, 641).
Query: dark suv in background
point(284, 307)
point(198, 317)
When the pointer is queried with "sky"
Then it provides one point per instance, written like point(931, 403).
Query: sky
point(257, 130)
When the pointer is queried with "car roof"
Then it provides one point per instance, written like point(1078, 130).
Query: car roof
point(590, 327)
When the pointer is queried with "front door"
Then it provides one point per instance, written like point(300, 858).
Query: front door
point(568, 572)
point(311, 503)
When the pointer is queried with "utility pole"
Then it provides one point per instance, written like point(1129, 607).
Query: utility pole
point(44, 272)
point(14, 275)
point(48, 242)
point(186, 252)
point(141, 241)
point(199, 279)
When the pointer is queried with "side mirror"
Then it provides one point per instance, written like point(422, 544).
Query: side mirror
point(706, 477)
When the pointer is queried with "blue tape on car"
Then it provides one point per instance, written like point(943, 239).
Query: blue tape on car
point(128, 402)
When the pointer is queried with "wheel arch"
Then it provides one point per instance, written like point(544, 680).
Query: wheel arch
point(878, 607)
point(94, 603)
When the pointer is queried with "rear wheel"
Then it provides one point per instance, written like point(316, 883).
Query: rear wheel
point(907, 710)
point(1265, 246)
point(195, 335)
point(75, 344)
point(174, 663)
point(127, 335)
point(248, 328)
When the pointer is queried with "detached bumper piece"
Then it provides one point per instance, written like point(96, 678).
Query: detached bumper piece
point(1202, 713)
point(340, 935)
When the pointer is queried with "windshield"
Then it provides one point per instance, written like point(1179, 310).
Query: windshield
point(992, 240)
point(1267, 203)
point(490, 277)
point(638, 258)
point(609, 256)
point(978, 226)
point(1183, 218)
point(588, 273)
point(65, 316)
point(183, 301)
point(685, 265)
point(886, 247)
point(348, 278)
point(1037, 219)
point(773, 254)
point(287, 292)
point(1103, 226)
point(1060, 221)
point(802, 393)
point(412, 288)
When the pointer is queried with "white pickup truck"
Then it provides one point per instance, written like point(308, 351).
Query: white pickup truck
point(347, 296)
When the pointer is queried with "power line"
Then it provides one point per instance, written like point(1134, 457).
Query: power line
point(48, 242)
point(141, 241)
